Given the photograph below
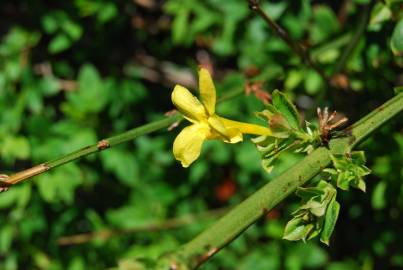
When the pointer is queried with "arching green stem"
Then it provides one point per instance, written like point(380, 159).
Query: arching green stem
point(226, 229)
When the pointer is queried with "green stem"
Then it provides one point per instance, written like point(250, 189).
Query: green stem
point(103, 144)
point(249, 211)
point(226, 229)
point(371, 122)
point(118, 139)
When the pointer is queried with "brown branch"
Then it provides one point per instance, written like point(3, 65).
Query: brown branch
point(282, 33)
point(173, 223)
point(359, 32)
point(343, 12)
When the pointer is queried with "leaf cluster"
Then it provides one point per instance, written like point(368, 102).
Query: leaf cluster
point(288, 135)
point(319, 209)
point(317, 214)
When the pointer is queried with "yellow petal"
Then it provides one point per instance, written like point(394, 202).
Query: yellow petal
point(220, 131)
point(234, 135)
point(207, 90)
point(188, 104)
point(188, 143)
point(246, 128)
point(219, 127)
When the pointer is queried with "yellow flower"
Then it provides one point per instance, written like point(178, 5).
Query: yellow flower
point(206, 124)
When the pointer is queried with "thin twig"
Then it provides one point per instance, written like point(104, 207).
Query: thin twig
point(362, 24)
point(173, 223)
point(166, 122)
point(342, 13)
point(99, 146)
point(282, 33)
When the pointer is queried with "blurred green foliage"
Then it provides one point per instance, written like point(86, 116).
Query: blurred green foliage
point(76, 71)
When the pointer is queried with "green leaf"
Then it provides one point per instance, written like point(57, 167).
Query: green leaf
point(343, 181)
point(73, 30)
point(7, 199)
point(317, 208)
point(59, 43)
point(378, 199)
point(50, 24)
point(123, 164)
point(91, 97)
point(358, 157)
point(307, 193)
point(296, 230)
point(293, 79)
point(285, 107)
point(59, 185)
point(7, 234)
point(107, 12)
point(274, 10)
point(325, 24)
point(350, 170)
point(180, 26)
point(49, 86)
point(312, 217)
point(332, 213)
point(313, 82)
point(12, 148)
point(379, 14)
point(396, 43)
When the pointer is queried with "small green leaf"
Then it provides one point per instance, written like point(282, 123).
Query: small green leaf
point(332, 214)
point(350, 170)
point(360, 184)
point(293, 79)
point(285, 107)
point(92, 95)
point(180, 26)
point(317, 208)
point(378, 196)
point(60, 185)
point(73, 30)
point(396, 43)
point(358, 157)
point(325, 24)
point(379, 14)
point(50, 24)
point(307, 193)
point(296, 230)
point(12, 148)
point(59, 43)
point(343, 181)
point(107, 12)
point(313, 82)
point(274, 10)
point(123, 165)
point(313, 216)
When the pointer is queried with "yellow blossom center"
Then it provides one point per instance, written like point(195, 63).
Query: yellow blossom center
point(206, 124)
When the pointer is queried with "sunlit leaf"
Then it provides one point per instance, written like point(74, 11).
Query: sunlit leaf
point(332, 213)
point(286, 108)
point(396, 42)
